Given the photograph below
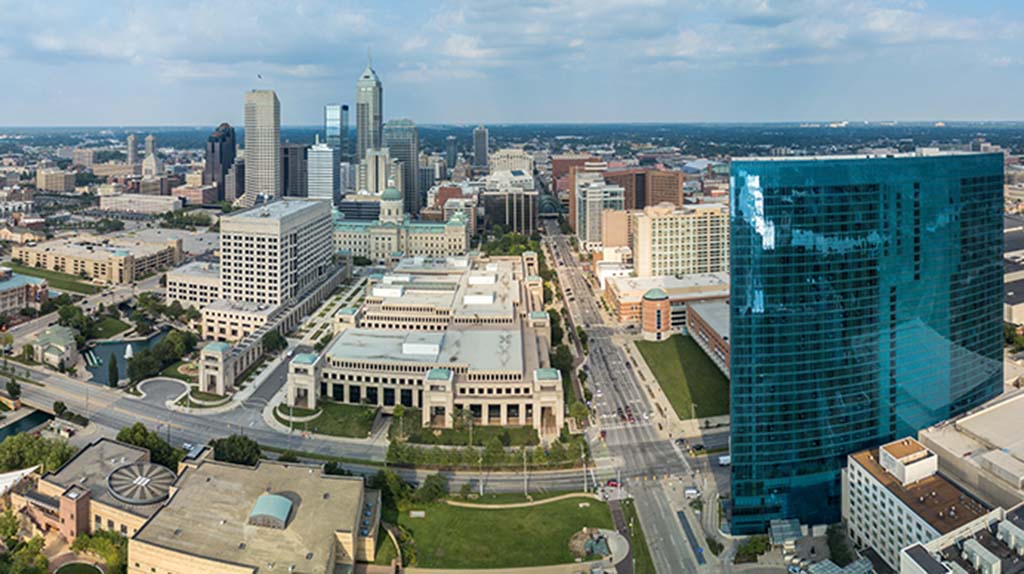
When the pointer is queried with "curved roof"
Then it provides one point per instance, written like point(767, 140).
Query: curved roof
point(391, 194)
point(655, 295)
point(140, 483)
point(273, 506)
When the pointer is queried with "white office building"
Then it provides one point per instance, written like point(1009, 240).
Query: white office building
point(322, 169)
point(262, 146)
point(593, 196)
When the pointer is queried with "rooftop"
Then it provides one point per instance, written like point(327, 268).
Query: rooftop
point(936, 500)
point(198, 269)
point(16, 281)
point(699, 286)
point(279, 209)
point(478, 349)
point(922, 153)
point(305, 358)
point(209, 516)
point(247, 307)
point(714, 313)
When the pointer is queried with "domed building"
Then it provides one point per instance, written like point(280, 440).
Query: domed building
point(656, 315)
point(395, 234)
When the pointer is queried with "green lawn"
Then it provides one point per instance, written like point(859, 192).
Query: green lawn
point(386, 551)
point(109, 327)
point(638, 542)
point(452, 537)
point(415, 433)
point(78, 568)
point(338, 420)
point(198, 395)
point(687, 376)
point(513, 497)
point(173, 372)
point(59, 281)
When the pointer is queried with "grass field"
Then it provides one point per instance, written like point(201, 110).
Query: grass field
point(338, 420)
point(687, 376)
point(78, 568)
point(109, 327)
point(59, 281)
point(173, 372)
point(452, 537)
point(644, 564)
point(386, 551)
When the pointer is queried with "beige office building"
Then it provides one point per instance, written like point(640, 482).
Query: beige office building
point(55, 180)
point(196, 284)
point(105, 259)
point(668, 240)
point(262, 146)
point(510, 160)
point(443, 335)
point(139, 203)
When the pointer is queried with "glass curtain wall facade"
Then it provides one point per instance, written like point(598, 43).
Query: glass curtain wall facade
point(866, 304)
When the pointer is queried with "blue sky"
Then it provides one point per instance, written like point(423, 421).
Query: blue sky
point(451, 61)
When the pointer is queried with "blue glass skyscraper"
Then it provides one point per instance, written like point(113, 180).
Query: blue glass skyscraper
point(866, 304)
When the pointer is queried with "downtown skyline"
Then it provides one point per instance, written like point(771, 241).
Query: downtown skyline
point(460, 63)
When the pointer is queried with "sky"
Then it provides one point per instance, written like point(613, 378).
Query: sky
point(183, 62)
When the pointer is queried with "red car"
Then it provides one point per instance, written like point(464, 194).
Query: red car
point(613, 483)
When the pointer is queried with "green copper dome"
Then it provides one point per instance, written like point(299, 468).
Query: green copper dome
point(655, 295)
point(391, 194)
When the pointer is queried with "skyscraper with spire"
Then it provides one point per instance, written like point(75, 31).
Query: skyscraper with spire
point(369, 111)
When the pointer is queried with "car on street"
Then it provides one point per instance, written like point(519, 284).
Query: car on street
point(613, 483)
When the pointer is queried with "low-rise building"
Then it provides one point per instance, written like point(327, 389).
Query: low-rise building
point(990, 544)
point(20, 291)
point(109, 259)
point(55, 180)
point(233, 519)
point(625, 294)
point(55, 346)
point(196, 284)
point(139, 203)
point(708, 323)
point(983, 451)
point(228, 320)
point(19, 234)
point(893, 497)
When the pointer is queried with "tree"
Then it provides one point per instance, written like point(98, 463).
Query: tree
point(561, 359)
point(108, 545)
point(160, 451)
point(494, 452)
point(10, 525)
point(578, 411)
point(556, 326)
point(399, 414)
point(237, 449)
point(113, 375)
point(24, 450)
point(288, 456)
point(434, 488)
point(13, 389)
point(59, 408)
point(273, 342)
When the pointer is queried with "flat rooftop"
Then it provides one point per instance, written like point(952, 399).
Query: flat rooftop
point(279, 209)
point(479, 349)
point(903, 447)
point(102, 247)
point(246, 307)
point(91, 467)
point(714, 313)
point(702, 285)
point(208, 516)
point(202, 269)
point(936, 500)
point(924, 153)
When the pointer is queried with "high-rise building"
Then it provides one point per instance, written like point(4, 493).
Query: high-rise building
point(866, 305)
point(369, 112)
point(591, 165)
point(133, 150)
point(324, 182)
point(336, 129)
point(273, 252)
point(220, 156)
point(376, 170)
point(593, 196)
point(480, 146)
point(294, 174)
point(150, 145)
point(669, 240)
point(451, 151)
point(234, 181)
point(647, 187)
point(262, 146)
point(403, 142)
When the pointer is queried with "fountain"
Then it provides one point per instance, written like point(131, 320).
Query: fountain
point(128, 352)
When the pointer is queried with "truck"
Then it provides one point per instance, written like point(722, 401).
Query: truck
point(725, 460)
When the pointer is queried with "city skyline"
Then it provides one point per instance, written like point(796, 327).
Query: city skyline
point(469, 63)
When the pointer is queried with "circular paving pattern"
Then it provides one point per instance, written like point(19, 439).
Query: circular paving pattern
point(140, 483)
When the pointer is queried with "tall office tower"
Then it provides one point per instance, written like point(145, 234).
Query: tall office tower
point(262, 146)
point(569, 183)
point(294, 175)
point(669, 240)
point(133, 150)
point(234, 181)
point(403, 142)
point(593, 196)
point(480, 146)
point(376, 170)
point(336, 129)
point(273, 252)
point(451, 151)
point(369, 112)
point(150, 145)
point(647, 187)
point(220, 156)
point(866, 305)
point(324, 181)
